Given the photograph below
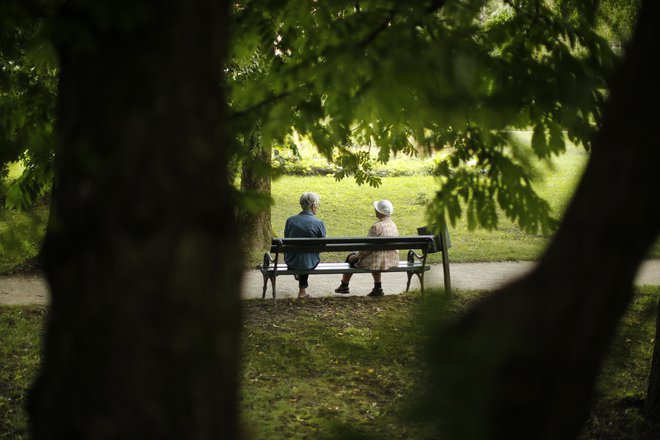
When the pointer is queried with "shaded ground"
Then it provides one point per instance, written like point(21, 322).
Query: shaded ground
point(31, 288)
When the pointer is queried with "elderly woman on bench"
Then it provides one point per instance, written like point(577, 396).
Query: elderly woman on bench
point(375, 260)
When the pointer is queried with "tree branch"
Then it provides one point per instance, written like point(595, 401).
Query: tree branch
point(434, 6)
point(269, 100)
point(373, 34)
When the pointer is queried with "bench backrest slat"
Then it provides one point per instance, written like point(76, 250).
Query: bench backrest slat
point(330, 240)
point(341, 244)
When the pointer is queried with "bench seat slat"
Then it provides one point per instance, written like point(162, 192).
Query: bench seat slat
point(335, 268)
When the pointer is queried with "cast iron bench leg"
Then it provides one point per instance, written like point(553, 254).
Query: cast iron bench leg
point(273, 277)
point(266, 276)
point(421, 283)
point(419, 276)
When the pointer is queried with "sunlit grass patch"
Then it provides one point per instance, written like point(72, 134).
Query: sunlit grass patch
point(346, 209)
point(21, 233)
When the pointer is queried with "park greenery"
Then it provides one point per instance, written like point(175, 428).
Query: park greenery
point(143, 211)
point(292, 72)
point(28, 83)
point(353, 363)
point(397, 85)
point(335, 366)
point(405, 181)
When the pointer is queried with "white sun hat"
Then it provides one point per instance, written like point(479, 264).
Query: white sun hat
point(384, 207)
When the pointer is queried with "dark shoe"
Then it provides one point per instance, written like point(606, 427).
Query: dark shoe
point(342, 289)
point(376, 291)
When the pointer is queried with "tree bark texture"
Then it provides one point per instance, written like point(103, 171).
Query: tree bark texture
point(142, 335)
point(256, 228)
point(522, 363)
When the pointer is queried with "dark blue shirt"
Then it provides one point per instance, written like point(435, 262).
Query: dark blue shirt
point(304, 224)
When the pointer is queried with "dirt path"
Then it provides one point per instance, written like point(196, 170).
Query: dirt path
point(20, 289)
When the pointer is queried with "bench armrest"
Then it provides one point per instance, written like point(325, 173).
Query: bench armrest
point(267, 260)
point(412, 255)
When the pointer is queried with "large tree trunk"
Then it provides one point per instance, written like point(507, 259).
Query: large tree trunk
point(530, 353)
point(142, 335)
point(255, 220)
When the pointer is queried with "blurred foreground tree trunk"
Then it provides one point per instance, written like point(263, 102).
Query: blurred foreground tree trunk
point(254, 220)
point(142, 336)
point(531, 352)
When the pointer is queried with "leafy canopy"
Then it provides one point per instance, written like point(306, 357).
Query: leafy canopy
point(406, 76)
point(409, 76)
point(28, 81)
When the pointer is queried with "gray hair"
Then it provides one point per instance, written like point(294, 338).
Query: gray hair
point(309, 199)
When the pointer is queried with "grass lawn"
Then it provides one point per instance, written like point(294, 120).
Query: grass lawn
point(21, 330)
point(346, 210)
point(21, 233)
point(351, 362)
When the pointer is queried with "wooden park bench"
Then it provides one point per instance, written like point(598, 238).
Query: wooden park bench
point(415, 264)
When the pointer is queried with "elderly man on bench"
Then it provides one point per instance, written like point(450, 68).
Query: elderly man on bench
point(304, 224)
